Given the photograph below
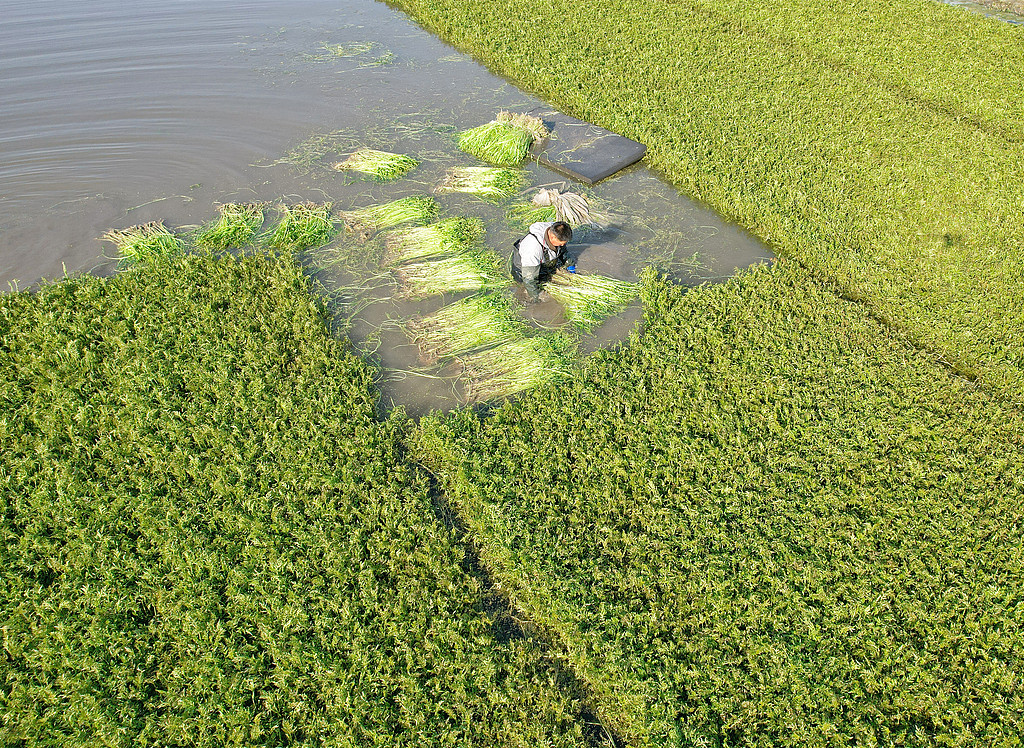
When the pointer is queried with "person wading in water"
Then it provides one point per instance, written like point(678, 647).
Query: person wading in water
point(539, 254)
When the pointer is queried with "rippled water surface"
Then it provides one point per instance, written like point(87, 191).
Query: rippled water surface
point(114, 114)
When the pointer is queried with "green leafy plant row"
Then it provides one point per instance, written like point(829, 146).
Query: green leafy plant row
point(765, 522)
point(209, 537)
point(880, 143)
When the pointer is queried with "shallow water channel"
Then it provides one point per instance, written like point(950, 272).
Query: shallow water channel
point(115, 116)
point(991, 9)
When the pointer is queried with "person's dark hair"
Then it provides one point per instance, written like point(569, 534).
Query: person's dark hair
point(562, 231)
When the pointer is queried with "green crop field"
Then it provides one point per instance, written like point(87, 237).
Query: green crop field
point(765, 522)
point(786, 513)
point(210, 538)
point(878, 142)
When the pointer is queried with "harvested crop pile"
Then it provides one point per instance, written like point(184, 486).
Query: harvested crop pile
point(383, 166)
point(505, 141)
point(487, 182)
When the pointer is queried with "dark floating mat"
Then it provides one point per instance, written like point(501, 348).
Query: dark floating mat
point(581, 150)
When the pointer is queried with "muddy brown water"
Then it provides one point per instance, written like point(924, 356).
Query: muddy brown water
point(116, 114)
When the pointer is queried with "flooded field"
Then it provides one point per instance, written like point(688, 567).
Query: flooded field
point(254, 102)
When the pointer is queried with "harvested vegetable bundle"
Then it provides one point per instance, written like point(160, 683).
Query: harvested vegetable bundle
point(589, 299)
point(237, 225)
point(533, 125)
point(505, 141)
point(496, 143)
point(471, 271)
point(466, 324)
point(568, 206)
point(514, 366)
point(487, 182)
point(380, 165)
point(145, 241)
point(418, 209)
point(303, 226)
point(450, 236)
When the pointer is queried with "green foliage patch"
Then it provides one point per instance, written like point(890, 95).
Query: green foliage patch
point(208, 537)
point(143, 243)
point(383, 166)
point(235, 227)
point(302, 226)
point(765, 522)
point(878, 142)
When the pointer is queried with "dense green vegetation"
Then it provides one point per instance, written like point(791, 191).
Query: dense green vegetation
point(210, 538)
point(776, 517)
point(765, 522)
point(878, 142)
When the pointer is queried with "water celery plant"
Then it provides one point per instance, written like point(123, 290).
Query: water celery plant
point(139, 243)
point(470, 271)
point(464, 325)
point(588, 299)
point(514, 366)
point(418, 209)
point(762, 455)
point(488, 182)
point(497, 143)
point(504, 141)
point(381, 165)
point(452, 235)
point(303, 226)
point(915, 114)
point(236, 226)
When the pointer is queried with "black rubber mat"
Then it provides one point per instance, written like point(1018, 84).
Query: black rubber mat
point(583, 151)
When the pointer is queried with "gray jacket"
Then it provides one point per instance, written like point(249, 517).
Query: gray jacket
point(534, 250)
